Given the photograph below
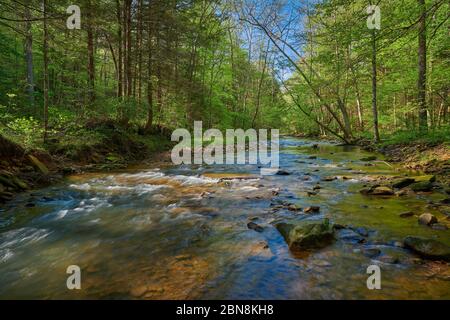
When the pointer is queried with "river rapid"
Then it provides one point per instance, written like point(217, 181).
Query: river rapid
point(180, 232)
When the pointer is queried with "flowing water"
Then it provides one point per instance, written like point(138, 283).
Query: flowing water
point(180, 232)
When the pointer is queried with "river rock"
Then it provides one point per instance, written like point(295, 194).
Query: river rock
point(328, 179)
point(401, 193)
point(402, 183)
point(428, 248)
point(348, 235)
point(138, 291)
point(439, 226)
point(370, 158)
point(389, 259)
point(293, 207)
point(371, 252)
point(382, 191)
point(406, 214)
point(255, 227)
point(312, 209)
point(424, 186)
point(307, 235)
point(282, 173)
point(365, 191)
point(427, 219)
point(362, 231)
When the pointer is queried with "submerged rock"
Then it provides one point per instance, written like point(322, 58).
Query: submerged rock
point(282, 173)
point(427, 219)
point(406, 214)
point(428, 248)
point(348, 235)
point(362, 231)
point(254, 226)
point(371, 252)
point(293, 207)
point(312, 209)
point(389, 259)
point(307, 235)
point(439, 226)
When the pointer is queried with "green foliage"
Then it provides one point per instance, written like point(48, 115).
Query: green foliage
point(27, 132)
point(432, 137)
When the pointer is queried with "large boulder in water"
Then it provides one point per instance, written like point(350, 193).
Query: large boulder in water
point(307, 235)
point(428, 248)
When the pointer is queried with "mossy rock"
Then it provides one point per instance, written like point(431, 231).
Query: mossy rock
point(402, 183)
point(370, 158)
point(428, 178)
point(424, 186)
point(38, 164)
point(382, 191)
point(428, 248)
point(307, 235)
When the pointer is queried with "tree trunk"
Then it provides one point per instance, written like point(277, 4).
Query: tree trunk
point(139, 65)
point(29, 55)
point(90, 49)
point(422, 55)
point(119, 58)
point(376, 132)
point(45, 53)
point(149, 123)
point(129, 46)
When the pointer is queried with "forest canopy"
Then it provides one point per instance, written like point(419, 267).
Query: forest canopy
point(309, 67)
